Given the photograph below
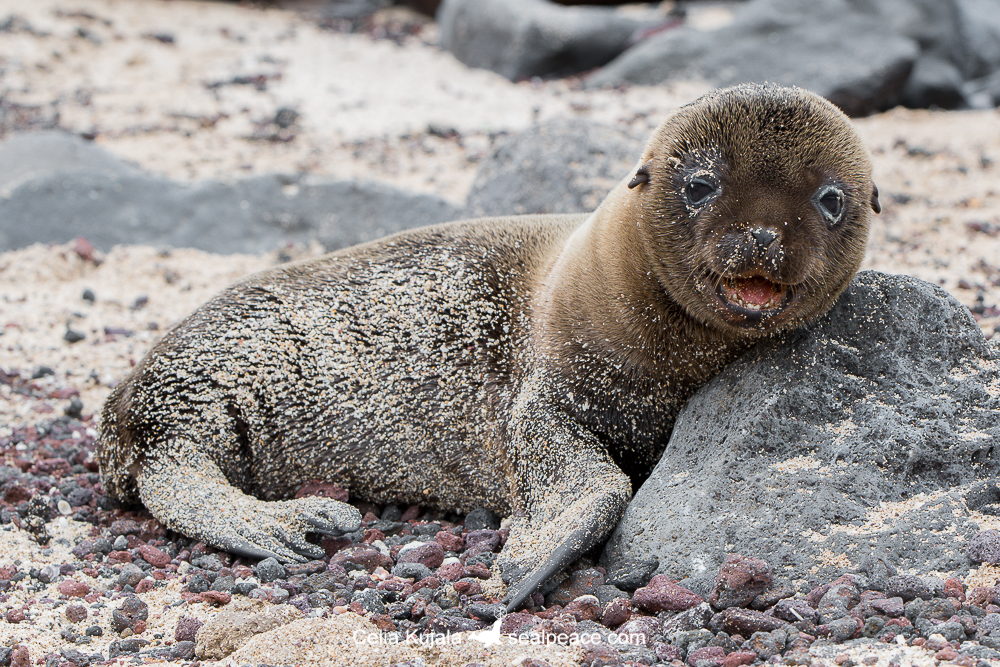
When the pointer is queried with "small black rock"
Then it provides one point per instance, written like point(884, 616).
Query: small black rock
point(480, 518)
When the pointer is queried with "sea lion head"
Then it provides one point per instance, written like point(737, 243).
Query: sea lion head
point(754, 205)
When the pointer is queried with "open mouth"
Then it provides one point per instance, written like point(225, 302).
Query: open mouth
point(755, 298)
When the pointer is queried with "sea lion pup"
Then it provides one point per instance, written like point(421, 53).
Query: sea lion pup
point(533, 365)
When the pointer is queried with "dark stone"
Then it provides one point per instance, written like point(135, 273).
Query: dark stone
point(878, 570)
point(430, 554)
point(415, 571)
point(631, 574)
point(908, 587)
point(977, 37)
point(370, 599)
point(842, 596)
point(198, 584)
point(559, 166)
point(984, 547)
point(182, 650)
point(486, 612)
point(129, 613)
point(850, 57)
point(934, 82)
point(606, 593)
point(126, 647)
point(68, 188)
point(695, 618)
point(269, 570)
point(131, 575)
point(525, 38)
point(795, 610)
point(891, 394)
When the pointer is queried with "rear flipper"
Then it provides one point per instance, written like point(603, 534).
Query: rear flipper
point(185, 490)
point(574, 496)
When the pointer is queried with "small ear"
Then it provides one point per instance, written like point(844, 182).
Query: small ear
point(641, 176)
point(875, 205)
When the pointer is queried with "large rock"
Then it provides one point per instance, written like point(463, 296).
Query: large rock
point(560, 166)
point(850, 57)
point(526, 38)
point(978, 36)
point(55, 187)
point(787, 454)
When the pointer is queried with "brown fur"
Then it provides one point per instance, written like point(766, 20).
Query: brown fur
point(533, 365)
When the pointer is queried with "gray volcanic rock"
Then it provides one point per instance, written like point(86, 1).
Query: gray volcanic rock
point(934, 82)
point(787, 455)
point(526, 38)
point(55, 187)
point(978, 37)
point(560, 166)
point(850, 57)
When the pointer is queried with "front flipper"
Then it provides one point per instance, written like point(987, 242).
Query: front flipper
point(184, 489)
point(573, 495)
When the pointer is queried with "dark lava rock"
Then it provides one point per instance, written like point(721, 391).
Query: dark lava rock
point(984, 547)
point(75, 613)
point(365, 557)
point(525, 38)
point(370, 600)
point(908, 587)
point(739, 581)
point(269, 570)
point(559, 166)
point(893, 393)
point(478, 519)
point(632, 574)
point(695, 618)
point(182, 650)
point(487, 612)
point(415, 571)
point(848, 56)
point(131, 611)
point(842, 596)
point(126, 647)
point(69, 188)
point(934, 82)
point(795, 610)
point(606, 593)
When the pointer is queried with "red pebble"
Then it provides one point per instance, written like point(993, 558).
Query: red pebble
point(468, 587)
point(153, 556)
point(451, 572)
point(372, 534)
point(411, 513)
point(449, 541)
point(120, 557)
point(477, 570)
point(15, 616)
point(139, 627)
point(954, 588)
point(662, 594)
point(947, 653)
point(73, 589)
point(84, 249)
point(144, 586)
point(19, 656)
point(216, 598)
point(737, 658)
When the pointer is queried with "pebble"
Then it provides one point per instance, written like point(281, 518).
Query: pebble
point(744, 621)
point(269, 570)
point(739, 581)
point(72, 588)
point(75, 613)
point(430, 554)
point(479, 519)
point(984, 547)
point(126, 616)
point(908, 587)
point(662, 594)
point(186, 629)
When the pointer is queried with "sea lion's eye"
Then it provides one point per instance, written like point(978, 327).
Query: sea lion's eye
point(699, 191)
point(830, 202)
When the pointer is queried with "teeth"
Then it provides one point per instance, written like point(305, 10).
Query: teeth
point(736, 292)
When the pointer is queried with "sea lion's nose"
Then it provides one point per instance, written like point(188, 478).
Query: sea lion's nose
point(763, 236)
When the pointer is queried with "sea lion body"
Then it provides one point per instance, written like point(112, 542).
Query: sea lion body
point(533, 364)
